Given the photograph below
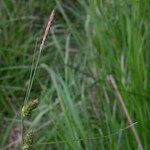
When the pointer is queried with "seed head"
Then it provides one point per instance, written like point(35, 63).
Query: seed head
point(29, 107)
point(28, 141)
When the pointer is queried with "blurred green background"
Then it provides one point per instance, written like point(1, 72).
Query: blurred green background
point(78, 107)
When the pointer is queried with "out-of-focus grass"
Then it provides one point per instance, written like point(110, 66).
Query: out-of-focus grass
point(89, 41)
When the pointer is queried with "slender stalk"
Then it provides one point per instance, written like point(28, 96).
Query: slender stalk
point(48, 27)
point(124, 108)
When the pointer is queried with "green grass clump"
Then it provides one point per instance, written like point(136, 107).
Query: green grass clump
point(78, 107)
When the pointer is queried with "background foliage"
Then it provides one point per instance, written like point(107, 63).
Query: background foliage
point(90, 40)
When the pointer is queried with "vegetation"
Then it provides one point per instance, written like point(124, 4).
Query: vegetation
point(79, 107)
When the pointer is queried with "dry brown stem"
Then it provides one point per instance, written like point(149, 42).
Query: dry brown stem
point(124, 108)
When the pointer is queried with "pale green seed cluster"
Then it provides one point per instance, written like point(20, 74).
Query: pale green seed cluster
point(28, 141)
point(28, 108)
point(26, 113)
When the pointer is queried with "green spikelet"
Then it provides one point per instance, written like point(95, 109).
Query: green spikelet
point(29, 107)
point(28, 141)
